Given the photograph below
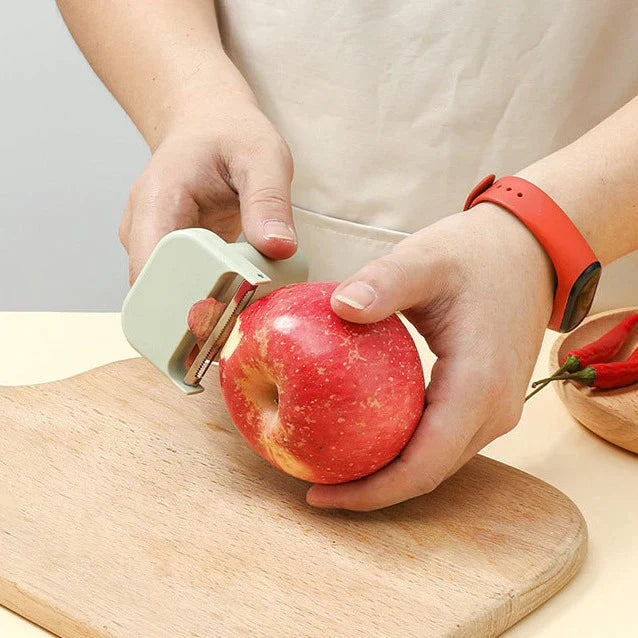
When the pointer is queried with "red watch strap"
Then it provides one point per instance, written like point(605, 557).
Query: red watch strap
point(562, 241)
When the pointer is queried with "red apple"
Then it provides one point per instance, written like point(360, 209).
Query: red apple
point(323, 399)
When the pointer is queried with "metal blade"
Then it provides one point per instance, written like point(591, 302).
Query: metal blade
point(216, 339)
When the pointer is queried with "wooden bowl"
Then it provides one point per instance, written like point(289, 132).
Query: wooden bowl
point(611, 414)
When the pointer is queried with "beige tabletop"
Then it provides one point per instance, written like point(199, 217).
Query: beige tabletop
point(600, 478)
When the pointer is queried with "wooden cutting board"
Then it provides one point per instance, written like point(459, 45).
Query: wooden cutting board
point(128, 510)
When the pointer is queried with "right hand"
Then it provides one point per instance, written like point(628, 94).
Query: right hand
point(223, 167)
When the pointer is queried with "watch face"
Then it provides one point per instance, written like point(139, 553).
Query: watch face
point(581, 297)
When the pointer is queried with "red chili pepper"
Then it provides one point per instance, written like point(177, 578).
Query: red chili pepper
point(616, 374)
point(599, 351)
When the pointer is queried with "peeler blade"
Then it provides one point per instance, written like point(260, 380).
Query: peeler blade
point(215, 341)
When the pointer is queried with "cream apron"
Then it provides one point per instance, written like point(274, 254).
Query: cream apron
point(394, 109)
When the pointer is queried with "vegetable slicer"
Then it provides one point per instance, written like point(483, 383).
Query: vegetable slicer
point(186, 266)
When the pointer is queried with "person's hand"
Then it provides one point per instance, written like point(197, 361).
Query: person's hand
point(478, 287)
point(222, 167)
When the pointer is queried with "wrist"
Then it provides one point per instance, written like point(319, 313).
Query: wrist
point(576, 266)
point(567, 184)
point(198, 100)
point(505, 235)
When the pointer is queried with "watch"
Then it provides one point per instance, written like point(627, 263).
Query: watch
point(577, 269)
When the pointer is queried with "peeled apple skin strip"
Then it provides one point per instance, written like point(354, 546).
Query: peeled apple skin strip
point(202, 318)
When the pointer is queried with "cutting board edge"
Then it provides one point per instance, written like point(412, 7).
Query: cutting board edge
point(53, 620)
point(528, 599)
point(87, 371)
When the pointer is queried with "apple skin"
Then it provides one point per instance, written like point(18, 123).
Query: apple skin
point(323, 399)
point(202, 318)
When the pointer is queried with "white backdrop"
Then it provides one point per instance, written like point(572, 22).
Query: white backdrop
point(69, 155)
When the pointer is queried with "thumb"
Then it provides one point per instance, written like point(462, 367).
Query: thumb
point(263, 183)
point(400, 280)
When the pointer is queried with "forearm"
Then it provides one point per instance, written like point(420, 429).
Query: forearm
point(595, 180)
point(160, 59)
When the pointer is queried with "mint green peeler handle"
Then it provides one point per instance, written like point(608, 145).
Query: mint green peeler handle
point(186, 266)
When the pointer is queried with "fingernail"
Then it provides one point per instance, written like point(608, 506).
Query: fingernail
point(276, 229)
point(315, 500)
point(357, 295)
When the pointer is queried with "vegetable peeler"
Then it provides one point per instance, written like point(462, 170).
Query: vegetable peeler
point(186, 266)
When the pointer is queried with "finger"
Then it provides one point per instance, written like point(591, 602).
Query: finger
point(394, 282)
point(262, 180)
point(125, 226)
point(452, 417)
point(477, 443)
point(497, 424)
point(155, 212)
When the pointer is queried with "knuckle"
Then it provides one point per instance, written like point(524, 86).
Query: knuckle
point(501, 398)
point(283, 151)
point(167, 194)
point(490, 391)
point(499, 402)
point(123, 234)
point(495, 387)
point(510, 416)
point(268, 197)
point(155, 193)
point(391, 270)
point(370, 507)
point(267, 147)
point(485, 380)
point(428, 483)
point(415, 480)
point(137, 189)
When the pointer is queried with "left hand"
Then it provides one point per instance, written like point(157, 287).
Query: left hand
point(478, 287)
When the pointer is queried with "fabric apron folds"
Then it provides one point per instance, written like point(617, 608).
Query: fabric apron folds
point(395, 109)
